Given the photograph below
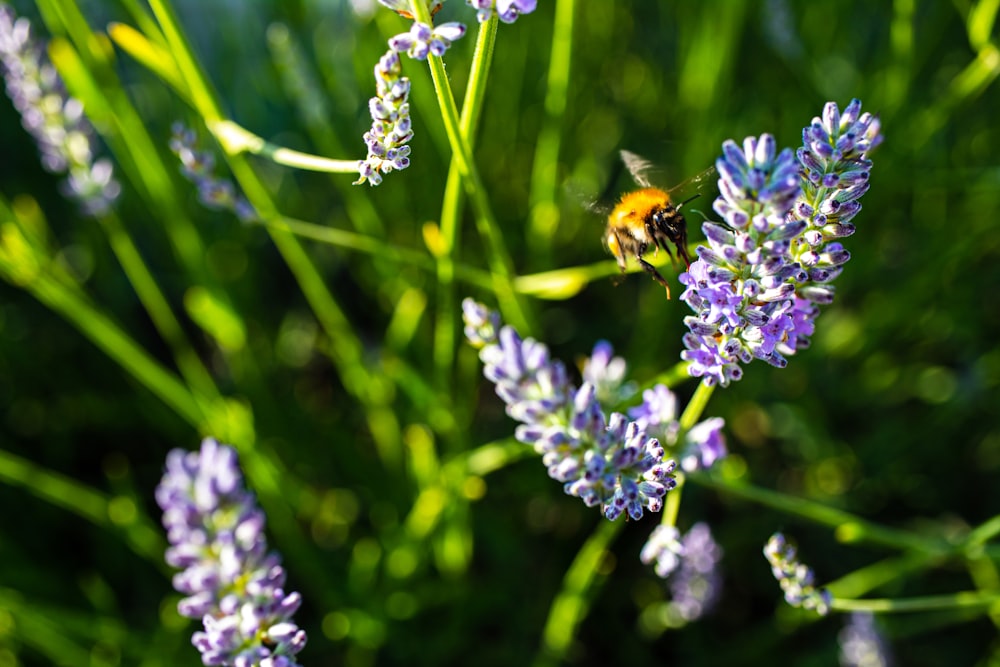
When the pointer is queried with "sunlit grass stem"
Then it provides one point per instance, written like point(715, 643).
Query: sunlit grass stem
point(345, 349)
point(850, 528)
point(156, 305)
point(544, 219)
point(572, 603)
point(501, 265)
point(451, 209)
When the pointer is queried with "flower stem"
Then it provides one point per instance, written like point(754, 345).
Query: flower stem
point(963, 599)
point(696, 406)
point(544, 218)
point(237, 139)
point(849, 528)
point(451, 206)
point(188, 362)
point(571, 604)
point(499, 259)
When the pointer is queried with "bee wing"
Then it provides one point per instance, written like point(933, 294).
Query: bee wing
point(639, 167)
point(696, 183)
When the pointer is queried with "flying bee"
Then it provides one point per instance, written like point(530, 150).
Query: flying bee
point(647, 218)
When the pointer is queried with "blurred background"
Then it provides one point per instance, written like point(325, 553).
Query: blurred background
point(887, 415)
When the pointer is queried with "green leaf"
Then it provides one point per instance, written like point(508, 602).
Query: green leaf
point(155, 58)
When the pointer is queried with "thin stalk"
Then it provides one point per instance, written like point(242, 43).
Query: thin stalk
point(573, 601)
point(451, 208)
point(696, 406)
point(106, 335)
point(692, 412)
point(156, 305)
point(963, 599)
point(237, 139)
point(850, 528)
point(496, 250)
point(544, 218)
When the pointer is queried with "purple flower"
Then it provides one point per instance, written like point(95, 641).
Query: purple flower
point(861, 643)
point(198, 166)
point(796, 579)
point(391, 129)
point(664, 548)
point(696, 585)
point(423, 39)
point(756, 285)
point(64, 136)
point(481, 323)
point(704, 445)
point(507, 10)
point(605, 461)
point(607, 373)
point(230, 580)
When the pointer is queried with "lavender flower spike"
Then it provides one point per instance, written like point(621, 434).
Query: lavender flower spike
point(64, 136)
point(797, 580)
point(506, 10)
point(198, 167)
point(755, 288)
point(696, 586)
point(861, 643)
point(603, 460)
point(702, 445)
point(423, 39)
point(390, 131)
point(230, 581)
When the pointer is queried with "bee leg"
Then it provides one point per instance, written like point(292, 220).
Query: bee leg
point(620, 254)
point(652, 270)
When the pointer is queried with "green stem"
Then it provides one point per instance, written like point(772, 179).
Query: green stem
point(926, 603)
point(696, 406)
point(849, 528)
point(501, 265)
point(692, 412)
point(544, 218)
point(573, 601)
point(984, 532)
point(870, 577)
point(236, 139)
point(116, 344)
point(345, 348)
point(451, 208)
point(156, 306)
point(83, 501)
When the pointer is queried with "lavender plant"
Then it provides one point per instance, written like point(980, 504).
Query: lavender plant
point(862, 644)
point(603, 460)
point(624, 446)
point(231, 582)
point(797, 580)
point(198, 166)
point(756, 286)
point(56, 120)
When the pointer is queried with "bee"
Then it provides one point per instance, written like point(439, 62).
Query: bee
point(647, 219)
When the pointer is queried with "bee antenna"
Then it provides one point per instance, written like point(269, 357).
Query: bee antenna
point(689, 199)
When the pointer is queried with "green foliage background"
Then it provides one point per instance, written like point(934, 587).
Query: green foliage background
point(404, 553)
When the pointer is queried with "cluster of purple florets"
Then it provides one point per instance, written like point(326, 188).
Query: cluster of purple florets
point(391, 129)
point(797, 580)
point(605, 461)
point(198, 166)
point(229, 579)
point(755, 288)
point(612, 461)
point(56, 121)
